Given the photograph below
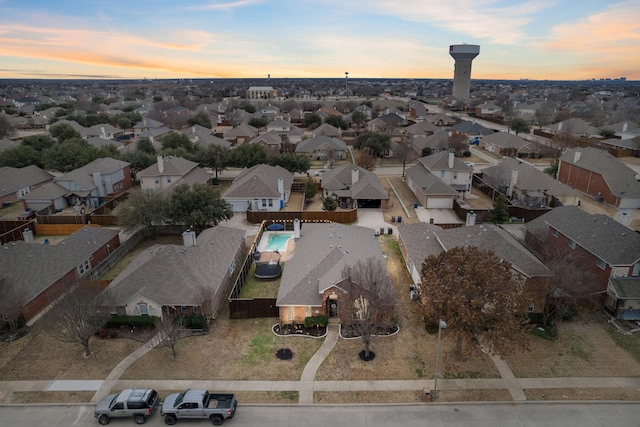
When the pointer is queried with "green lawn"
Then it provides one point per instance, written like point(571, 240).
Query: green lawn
point(254, 288)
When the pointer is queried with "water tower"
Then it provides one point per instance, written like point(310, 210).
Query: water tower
point(463, 54)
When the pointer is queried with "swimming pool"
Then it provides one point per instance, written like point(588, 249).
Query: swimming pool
point(278, 242)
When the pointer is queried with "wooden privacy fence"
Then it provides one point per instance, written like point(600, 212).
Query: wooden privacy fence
point(343, 216)
point(251, 308)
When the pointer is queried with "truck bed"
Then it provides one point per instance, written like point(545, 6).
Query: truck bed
point(220, 401)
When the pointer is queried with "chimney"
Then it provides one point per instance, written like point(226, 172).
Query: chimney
point(281, 187)
point(189, 238)
point(103, 134)
point(451, 157)
point(97, 181)
point(296, 228)
point(193, 129)
point(576, 156)
point(513, 181)
point(560, 126)
point(471, 219)
point(160, 164)
point(355, 176)
point(625, 126)
point(27, 235)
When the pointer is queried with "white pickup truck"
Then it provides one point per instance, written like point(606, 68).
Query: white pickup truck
point(199, 404)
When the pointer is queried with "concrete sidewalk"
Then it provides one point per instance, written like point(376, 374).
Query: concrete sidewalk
point(307, 386)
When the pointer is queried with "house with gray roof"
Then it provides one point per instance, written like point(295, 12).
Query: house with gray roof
point(527, 186)
point(204, 137)
point(438, 141)
point(322, 147)
point(89, 184)
point(36, 275)
point(600, 175)
point(169, 171)
point(470, 130)
point(312, 283)
point(612, 250)
point(271, 141)
point(326, 129)
point(240, 134)
point(436, 180)
point(625, 129)
point(5, 144)
point(421, 129)
point(574, 126)
point(289, 132)
point(187, 279)
point(260, 188)
point(419, 241)
point(506, 144)
point(353, 186)
point(16, 183)
point(441, 119)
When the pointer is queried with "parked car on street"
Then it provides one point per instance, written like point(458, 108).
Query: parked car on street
point(137, 403)
point(199, 405)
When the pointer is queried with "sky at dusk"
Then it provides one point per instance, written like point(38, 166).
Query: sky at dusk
point(541, 39)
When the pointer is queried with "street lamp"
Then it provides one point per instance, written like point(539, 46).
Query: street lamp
point(346, 84)
point(441, 325)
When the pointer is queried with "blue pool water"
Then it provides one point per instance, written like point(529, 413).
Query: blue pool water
point(278, 242)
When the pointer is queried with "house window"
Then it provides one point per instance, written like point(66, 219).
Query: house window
point(157, 179)
point(168, 180)
point(113, 311)
point(531, 307)
point(270, 203)
point(455, 175)
point(556, 233)
point(290, 314)
point(601, 264)
point(84, 267)
point(264, 203)
point(442, 174)
point(183, 310)
point(144, 309)
point(572, 244)
point(636, 270)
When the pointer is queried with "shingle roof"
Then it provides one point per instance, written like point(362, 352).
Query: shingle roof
point(529, 178)
point(174, 275)
point(173, 166)
point(367, 186)
point(13, 179)
point(620, 178)
point(423, 240)
point(505, 140)
point(429, 183)
point(259, 181)
point(84, 175)
point(626, 287)
point(470, 128)
point(321, 253)
point(602, 236)
point(311, 145)
point(34, 267)
point(440, 161)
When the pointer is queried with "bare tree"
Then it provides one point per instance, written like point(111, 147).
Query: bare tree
point(479, 296)
point(78, 314)
point(371, 300)
point(171, 329)
point(10, 304)
point(573, 282)
point(458, 142)
point(366, 159)
point(544, 114)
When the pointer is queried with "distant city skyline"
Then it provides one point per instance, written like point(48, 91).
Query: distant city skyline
point(519, 39)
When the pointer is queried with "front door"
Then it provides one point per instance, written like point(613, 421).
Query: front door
point(333, 307)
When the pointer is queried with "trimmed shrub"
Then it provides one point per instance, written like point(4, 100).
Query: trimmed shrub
point(131, 321)
point(194, 322)
point(316, 321)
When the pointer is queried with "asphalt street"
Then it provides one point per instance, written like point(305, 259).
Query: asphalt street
point(437, 415)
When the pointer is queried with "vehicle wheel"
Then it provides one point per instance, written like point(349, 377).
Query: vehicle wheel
point(170, 420)
point(103, 419)
point(216, 420)
point(139, 419)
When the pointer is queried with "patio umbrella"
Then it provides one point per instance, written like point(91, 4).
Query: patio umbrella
point(275, 227)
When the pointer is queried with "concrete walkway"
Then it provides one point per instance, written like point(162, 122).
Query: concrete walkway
point(312, 366)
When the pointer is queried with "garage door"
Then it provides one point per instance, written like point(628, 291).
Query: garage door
point(439, 203)
point(239, 205)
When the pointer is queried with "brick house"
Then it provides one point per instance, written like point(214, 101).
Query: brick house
point(314, 285)
point(419, 241)
point(601, 176)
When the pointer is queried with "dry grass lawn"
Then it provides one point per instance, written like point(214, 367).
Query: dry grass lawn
point(245, 350)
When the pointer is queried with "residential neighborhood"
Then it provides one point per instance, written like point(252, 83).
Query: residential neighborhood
point(216, 218)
